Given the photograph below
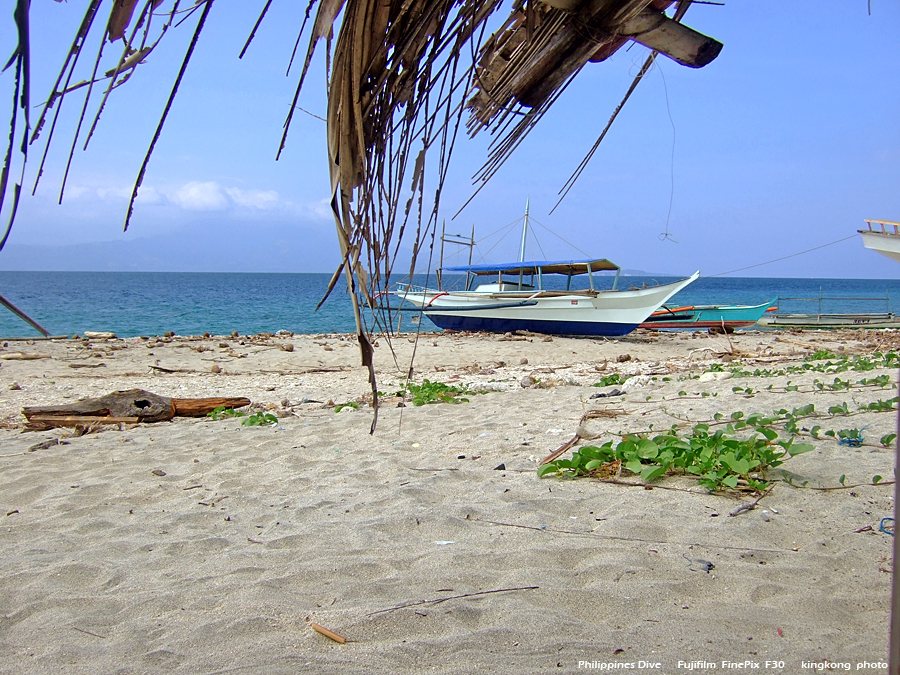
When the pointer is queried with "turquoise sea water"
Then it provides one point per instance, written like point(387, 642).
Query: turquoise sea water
point(151, 303)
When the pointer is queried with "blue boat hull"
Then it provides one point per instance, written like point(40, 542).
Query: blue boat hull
point(492, 325)
point(728, 317)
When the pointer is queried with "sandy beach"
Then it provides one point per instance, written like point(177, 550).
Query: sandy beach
point(208, 546)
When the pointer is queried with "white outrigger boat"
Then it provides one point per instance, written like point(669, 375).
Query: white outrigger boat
point(514, 298)
point(884, 237)
point(505, 297)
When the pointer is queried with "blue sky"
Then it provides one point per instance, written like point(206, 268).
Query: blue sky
point(786, 142)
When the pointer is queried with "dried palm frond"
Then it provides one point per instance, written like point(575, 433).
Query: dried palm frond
point(21, 57)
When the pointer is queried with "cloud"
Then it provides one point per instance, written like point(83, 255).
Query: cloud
point(113, 194)
point(211, 196)
point(149, 195)
point(197, 196)
point(321, 209)
point(257, 199)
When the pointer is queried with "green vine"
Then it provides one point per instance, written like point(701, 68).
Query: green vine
point(737, 454)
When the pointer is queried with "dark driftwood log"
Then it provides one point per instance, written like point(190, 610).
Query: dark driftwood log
point(135, 404)
point(138, 403)
point(50, 421)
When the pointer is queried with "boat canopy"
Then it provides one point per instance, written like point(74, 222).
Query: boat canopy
point(567, 267)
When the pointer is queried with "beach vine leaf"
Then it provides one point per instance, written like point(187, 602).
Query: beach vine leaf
point(224, 412)
point(436, 392)
point(260, 419)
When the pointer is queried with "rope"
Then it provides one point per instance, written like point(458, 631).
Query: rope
point(793, 255)
point(663, 236)
point(565, 241)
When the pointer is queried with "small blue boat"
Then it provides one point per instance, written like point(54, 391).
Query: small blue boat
point(693, 317)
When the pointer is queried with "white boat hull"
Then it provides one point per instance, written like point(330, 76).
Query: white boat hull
point(883, 242)
point(607, 313)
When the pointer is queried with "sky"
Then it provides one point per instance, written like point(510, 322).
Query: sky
point(786, 142)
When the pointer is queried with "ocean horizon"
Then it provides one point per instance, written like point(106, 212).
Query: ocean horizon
point(192, 303)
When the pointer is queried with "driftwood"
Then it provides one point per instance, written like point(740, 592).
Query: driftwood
point(130, 407)
point(50, 421)
point(200, 407)
point(131, 403)
point(20, 356)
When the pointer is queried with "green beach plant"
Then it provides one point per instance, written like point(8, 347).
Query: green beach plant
point(719, 460)
point(436, 392)
point(259, 419)
point(612, 378)
point(833, 364)
point(739, 452)
point(223, 413)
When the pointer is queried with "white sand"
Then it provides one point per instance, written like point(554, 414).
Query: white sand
point(221, 564)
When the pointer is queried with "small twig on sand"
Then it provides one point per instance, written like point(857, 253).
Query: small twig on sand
point(452, 597)
point(161, 369)
point(697, 351)
point(805, 345)
point(327, 633)
point(561, 449)
point(87, 632)
point(639, 540)
point(752, 505)
point(842, 487)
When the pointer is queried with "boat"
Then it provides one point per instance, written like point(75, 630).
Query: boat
point(521, 296)
point(884, 237)
point(712, 317)
point(507, 297)
point(830, 321)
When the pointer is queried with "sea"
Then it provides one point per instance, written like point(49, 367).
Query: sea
point(153, 303)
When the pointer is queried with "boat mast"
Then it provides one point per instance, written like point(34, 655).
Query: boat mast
point(524, 238)
point(441, 263)
point(524, 232)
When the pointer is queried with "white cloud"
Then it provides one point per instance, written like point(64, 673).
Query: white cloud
point(211, 196)
point(196, 196)
point(114, 194)
point(258, 199)
point(321, 210)
point(76, 191)
point(149, 195)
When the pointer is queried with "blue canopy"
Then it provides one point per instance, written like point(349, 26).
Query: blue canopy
point(566, 267)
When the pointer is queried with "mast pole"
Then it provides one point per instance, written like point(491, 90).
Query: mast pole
point(524, 232)
point(441, 263)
